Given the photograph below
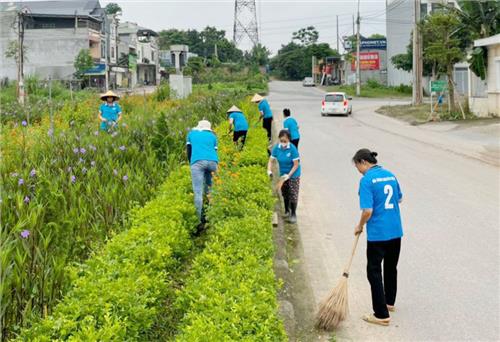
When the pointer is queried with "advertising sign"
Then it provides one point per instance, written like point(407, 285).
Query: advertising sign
point(367, 44)
point(367, 61)
point(438, 86)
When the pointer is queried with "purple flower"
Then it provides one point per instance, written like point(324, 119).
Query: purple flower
point(83, 150)
point(14, 174)
point(20, 181)
point(84, 170)
point(96, 133)
point(80, 160)
point(76, 150)
point(122, 148)
point(33, 173)
point(73, 179)
point(115, 172)
point(125, 178)
point(92, 147)
point(24, 123)
point(92, 163)
point(25, 233)
point(26, 199)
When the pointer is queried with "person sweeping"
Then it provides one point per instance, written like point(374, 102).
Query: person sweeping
point(265, 114)
point(289, 167)
point(238, 124)
point(379, 197)
point(110, 112)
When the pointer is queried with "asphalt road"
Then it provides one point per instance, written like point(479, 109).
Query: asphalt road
point(449, 265)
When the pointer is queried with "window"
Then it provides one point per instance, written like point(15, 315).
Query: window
point(334, 98)
point(112, 53)
point(497, 72)
point(423, 11)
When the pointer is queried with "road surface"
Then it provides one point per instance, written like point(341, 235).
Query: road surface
point(449, 266)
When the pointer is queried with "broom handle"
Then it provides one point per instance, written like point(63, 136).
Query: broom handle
point(348, 267)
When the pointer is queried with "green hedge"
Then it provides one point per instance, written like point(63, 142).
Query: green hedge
point(118, 293)
point(230, 294)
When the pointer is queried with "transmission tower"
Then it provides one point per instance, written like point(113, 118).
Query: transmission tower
point(245, 22)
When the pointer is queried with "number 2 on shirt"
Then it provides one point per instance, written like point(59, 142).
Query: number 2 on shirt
point(389, 192)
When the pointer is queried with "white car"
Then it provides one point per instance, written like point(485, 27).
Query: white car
point(308, 82)
point(336, 104)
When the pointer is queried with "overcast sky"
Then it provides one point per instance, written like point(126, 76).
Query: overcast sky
point(277, 19)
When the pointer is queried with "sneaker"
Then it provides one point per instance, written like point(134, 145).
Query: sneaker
point(292, 219)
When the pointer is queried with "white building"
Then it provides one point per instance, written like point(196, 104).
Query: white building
point(400, 16)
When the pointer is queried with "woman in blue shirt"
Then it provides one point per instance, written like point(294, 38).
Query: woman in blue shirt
point(110, 112)
point(266, 114)
point(288, 159)
point(291, 125)
point(238, 124)
point(379, 197)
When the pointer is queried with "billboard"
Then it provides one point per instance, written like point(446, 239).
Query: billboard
point(367, 44)
point(367, 61)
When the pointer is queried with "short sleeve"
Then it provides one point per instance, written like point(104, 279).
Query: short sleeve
point(215, 142)
point(231, 116)
point(400, 194)
point(274, 152)
point(295, 153)
point(261, 106)
point(119, 108)
point(286, 124)
point(100, 108)
point(365, 194)
point(188, 140)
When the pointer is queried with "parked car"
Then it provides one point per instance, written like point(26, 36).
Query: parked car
point(308, 82)
point(336, 104)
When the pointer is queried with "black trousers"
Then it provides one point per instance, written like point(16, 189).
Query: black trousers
point(383, 288)
point(267, 123)
point(295, 142)
point(237, 135)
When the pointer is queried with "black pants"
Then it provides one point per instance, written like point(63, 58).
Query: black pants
point(237, 135)
point(383, 291)
point(267, 123)
point(296, 142)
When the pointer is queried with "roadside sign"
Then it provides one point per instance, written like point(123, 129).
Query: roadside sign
point(438, 86)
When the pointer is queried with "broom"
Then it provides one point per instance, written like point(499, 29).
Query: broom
point(335, 307)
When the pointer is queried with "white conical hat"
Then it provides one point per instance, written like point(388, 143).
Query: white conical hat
point(233, 109)
point(109, 94)
point(257, 98)
point(204, 125)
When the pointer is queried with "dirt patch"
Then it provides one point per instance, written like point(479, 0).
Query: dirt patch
point(414, 115)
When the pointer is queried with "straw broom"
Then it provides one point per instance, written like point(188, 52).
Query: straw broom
point(335, 307)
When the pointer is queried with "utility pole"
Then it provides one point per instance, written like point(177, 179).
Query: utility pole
point(417, 94)
point(107, 27)
point(358, 45)
point(353, 31)
point(20, 62)
point(337, 33)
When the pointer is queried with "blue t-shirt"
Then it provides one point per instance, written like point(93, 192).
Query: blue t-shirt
point(239, 121)
point(379, 190)
point(203, 146)
point(265, 109)
point(286, 155)
point(292, 126)
point(110, 113)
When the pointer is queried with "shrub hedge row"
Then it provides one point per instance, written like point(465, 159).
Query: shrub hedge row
point(230, 294)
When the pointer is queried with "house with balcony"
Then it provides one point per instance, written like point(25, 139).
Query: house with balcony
point(140, 46)
point(55, 32)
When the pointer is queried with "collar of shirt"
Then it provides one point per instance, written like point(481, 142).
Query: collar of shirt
point(287, 146)
point(373, 168)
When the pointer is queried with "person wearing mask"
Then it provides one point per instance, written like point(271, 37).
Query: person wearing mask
point(110, 112)
point(238, 124)
point(379, 197)
point(265, 114)
point(203, 158)
point(291, 125)
point(287, 156)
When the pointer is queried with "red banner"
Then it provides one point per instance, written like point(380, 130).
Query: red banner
point(368, 61)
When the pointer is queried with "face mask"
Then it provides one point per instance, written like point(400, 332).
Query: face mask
point(285, 145)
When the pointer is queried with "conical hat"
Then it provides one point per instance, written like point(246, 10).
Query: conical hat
point(257, 98)
point(109, 93)
point(233, 109)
